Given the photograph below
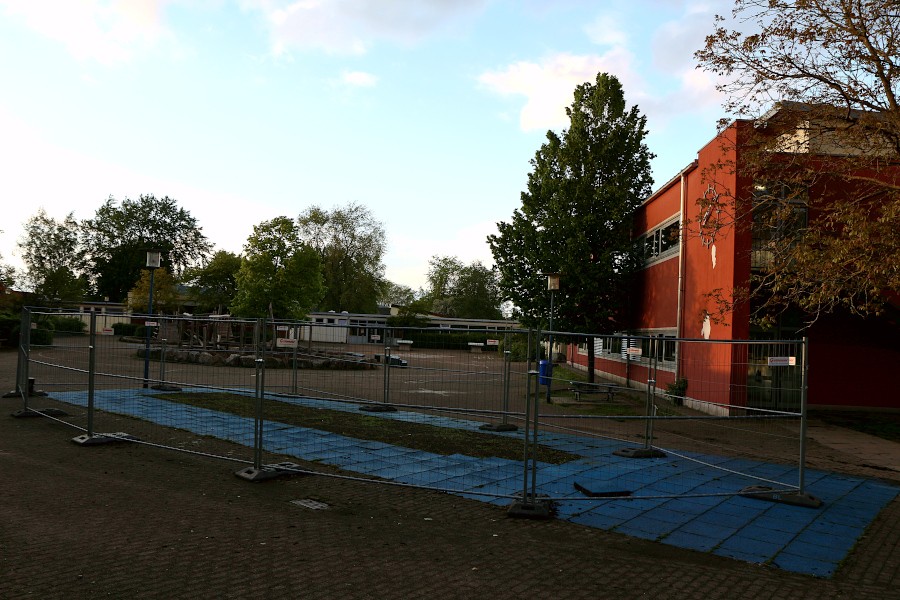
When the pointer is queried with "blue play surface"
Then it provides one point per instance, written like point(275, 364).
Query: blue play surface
point(706, 516)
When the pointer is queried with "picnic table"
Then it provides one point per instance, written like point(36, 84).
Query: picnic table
point(583, 387)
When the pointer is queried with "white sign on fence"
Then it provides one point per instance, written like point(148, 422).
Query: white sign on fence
point(493, 342)
point(782, 361)
point(151, 324)
point(375, 337)
point(634, 351)
point(286, 342)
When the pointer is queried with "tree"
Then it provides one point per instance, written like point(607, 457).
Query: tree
point(442, 274)
point(215, 283)
point(576, 215)
point(279, 275)
point(820, 80)
point(117, 239)
point(462, 291)
point(396, 293)
point(52, 254)
point(165, 293)
point(351, 244)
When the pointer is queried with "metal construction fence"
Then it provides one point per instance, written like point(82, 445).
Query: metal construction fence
point(506, 416)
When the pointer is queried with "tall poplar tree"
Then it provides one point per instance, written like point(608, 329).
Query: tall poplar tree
point(576, 215)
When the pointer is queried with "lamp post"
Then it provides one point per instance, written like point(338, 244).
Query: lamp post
point(152, 264)
point(552, 286)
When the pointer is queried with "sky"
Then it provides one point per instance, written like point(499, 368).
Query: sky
point(425, 111)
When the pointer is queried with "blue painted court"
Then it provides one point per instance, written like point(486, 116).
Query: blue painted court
point(799, 539)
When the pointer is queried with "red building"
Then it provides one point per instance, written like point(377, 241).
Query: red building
point(691, 251)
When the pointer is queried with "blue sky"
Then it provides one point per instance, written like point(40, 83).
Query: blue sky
point(426, 111)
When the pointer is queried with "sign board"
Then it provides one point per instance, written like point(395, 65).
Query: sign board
point(286, 343)
point(782, 361)
point(151, 324)
point(106, 331)
point(493, 342)
point(281, 328)
point(634, 351)
point(375, 337)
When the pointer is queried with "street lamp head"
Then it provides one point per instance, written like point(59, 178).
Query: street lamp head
point(153, 257)
point(552, 281)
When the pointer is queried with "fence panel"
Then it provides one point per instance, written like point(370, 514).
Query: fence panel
point(495, 415)
point(666, 417)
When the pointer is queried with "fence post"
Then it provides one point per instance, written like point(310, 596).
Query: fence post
point(647, 450)
point(504, 424)
point(162, 385)
point(92, 370)
point(260, 472)
point(296, 349)
point(24, 383)
point(804, 382)
point(385, 405)
point(90, 438)
point(529, 506)
point(21, 388)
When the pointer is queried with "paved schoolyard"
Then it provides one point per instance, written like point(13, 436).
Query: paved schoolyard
point(794, 538)
point(137, 521)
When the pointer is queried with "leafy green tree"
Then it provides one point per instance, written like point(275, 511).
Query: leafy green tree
point(214, 284)
point(117, 239)
point(476, 294)
point(820, 81)
point(351, 244)
point(396, 293)
point(576, 215)
point(462, 291)
point(166, 298)
point(279, 275)
point(52, 254)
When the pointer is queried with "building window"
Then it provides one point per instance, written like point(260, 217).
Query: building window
point(779, 214)
point(661, 242)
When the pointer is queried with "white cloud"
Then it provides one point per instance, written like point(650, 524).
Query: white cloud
point(548, 85)
point(352, 26)
point(606, 30)
point(105, 31)
point(358, 79)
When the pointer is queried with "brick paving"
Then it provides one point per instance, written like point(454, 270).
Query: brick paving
point(136, 521)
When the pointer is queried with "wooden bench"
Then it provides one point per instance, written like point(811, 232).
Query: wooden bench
point(583, 387)
point(475, 347)
point(404, 344)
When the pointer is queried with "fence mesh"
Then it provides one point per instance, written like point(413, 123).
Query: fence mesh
point(492, 414)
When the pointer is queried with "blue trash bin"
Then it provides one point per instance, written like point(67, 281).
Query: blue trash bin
point(545, 372)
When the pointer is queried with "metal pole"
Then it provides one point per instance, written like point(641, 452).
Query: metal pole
point(651, 389)
point(92, 369)
point(386, 396)
point(550, 354)
point(506, 369)
point(804, 356)
point(25, 336)
point(534, 442)
point(147, 333)
point(526, 438)
point(257, 425)
point(162, 362)
point(296, 347)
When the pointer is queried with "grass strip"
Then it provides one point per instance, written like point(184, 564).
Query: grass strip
point(418, 436)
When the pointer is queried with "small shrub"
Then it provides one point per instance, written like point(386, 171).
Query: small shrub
point(41, 337)
point(676, 390)
point(125, 329)
point(68, 324)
